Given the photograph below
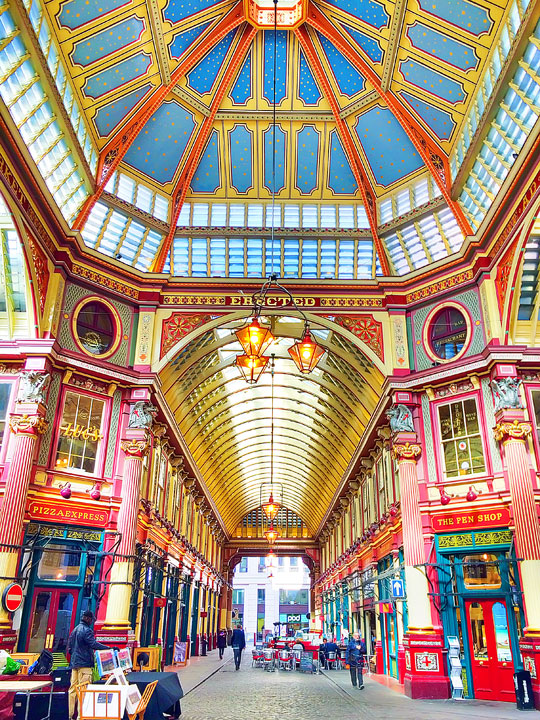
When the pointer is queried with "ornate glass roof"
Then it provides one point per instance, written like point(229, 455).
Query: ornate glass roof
point(170, 106)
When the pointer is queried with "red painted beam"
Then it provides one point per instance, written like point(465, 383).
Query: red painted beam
point(434, 158)
point(184, 180)
point(362, 180)
point(112, 153)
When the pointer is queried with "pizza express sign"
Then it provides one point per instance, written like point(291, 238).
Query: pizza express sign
point(69, 512)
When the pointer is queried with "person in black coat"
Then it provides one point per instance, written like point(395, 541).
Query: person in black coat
point(238, 642)
point(221, 642)
point(354, 657)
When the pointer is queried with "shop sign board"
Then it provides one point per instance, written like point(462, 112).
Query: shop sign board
point(306, 662)
point(68, 512)
point(12, 597)
point(484, 518)
point(294, 618)
point(180, 652)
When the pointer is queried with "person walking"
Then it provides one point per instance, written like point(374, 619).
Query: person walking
point(81, 645)
point(222, 642)
point(238, 642)
point(354, 657)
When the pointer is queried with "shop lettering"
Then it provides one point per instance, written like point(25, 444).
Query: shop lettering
point(483, 518)
point(78, 431)
point(274, 301)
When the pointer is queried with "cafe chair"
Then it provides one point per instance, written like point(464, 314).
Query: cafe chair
point(284, 660)
point(143, 702)
point(257, 658)
point(269, 661)
point(332, 660)
point(297, 654)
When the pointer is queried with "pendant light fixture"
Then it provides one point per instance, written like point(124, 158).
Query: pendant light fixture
point(255, 339)
point(272, 534)
point(271, 507)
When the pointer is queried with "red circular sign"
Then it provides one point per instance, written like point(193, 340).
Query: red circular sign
point(12, 597)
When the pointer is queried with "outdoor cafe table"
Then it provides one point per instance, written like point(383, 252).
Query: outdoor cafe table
point(166, 696)
point(27, 687)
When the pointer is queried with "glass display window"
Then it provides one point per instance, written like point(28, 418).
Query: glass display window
point(97, 328)
point(59, 563)
point(481, 572)
point(80, 434)
point(460, 431)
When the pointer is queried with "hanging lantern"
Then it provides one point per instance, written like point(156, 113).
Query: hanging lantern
point(254, 338)
point(271, 534)
point(251, 366)
point(306, 353)
point(271, 508)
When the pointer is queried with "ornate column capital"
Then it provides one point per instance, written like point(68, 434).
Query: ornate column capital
point(136, 448)
point(514, 430)
point(406, 451)
point(33, 425)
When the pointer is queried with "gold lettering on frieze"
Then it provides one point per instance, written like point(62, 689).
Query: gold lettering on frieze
point(274, 301)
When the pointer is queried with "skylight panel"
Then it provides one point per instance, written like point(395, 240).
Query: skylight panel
point(183, 218)
point(309, 258)
point(126, 188)
point(217, 257)
point(180, 251)
point(364, 263)
point(291, 216)
point(254, 257)
point(218, 216)
point(346, 216)
point(161, 208)
point(397, 255)
point(236, 257)
point(328, 216)
point(255, 215)
point(237, 213)
point(310, 216)
point(276, 214)
point(403, 202)
point(200, 215)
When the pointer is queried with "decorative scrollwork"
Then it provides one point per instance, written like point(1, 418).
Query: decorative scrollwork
point(407, 451)
point(135, 448)
point(28, 424)
point(515, 430)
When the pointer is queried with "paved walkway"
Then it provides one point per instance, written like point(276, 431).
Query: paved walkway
point(251, 694)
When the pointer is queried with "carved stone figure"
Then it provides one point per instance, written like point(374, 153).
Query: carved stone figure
point(400, 419)
point(506, 393)
point(33, 387)
point(142, 415)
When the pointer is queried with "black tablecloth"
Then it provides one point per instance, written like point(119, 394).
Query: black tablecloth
point(166, 696)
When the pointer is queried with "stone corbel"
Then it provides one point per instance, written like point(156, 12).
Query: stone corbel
point(384, 432)
point(354, 485)
point(367, 463)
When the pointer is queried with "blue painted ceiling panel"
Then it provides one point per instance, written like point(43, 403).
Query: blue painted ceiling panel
point(307, 144)
point(281, 66)
point(432, 82)
point(441, 46)
point(241, 91)
point(184, 40)
point(113, 77)
point(462, 14)
point(203, 76)
point(370, 46)
point(109, 116)
point(241, 150)
point(439, 121)
point(369, 11)
point(107, 42)
point(207, 177)
point(76, 13)
point(390, 153)
point(281, 141)
point(348, 78)
point(308, 90)
point(157, 149)
point(340, 176)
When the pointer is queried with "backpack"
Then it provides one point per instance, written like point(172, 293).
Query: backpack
point(43, 664)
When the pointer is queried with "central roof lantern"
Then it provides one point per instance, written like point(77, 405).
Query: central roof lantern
point(290, 13)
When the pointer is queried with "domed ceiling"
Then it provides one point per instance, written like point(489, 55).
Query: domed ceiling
point(371, 95)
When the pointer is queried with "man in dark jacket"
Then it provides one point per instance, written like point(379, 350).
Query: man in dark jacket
point(238, 642)
point(221, 642)
point(354, 657)
point(81, 646)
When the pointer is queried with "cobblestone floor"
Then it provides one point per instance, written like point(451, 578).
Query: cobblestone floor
point(252, 694)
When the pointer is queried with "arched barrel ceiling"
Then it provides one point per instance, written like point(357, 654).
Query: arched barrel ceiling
point(318, 418)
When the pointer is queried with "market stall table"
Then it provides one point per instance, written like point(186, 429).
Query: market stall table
point(27, 687)
point(165, 698)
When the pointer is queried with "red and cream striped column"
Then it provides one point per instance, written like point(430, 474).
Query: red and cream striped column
point(407, 453)
point(425, 669)
point(24, 441)
point(512, 432)
point(116, 624)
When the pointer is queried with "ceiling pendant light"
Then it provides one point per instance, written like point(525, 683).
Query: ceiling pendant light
point(272, 534)
point(271, 508)
point(251, 366)
point(254, 338)
point(306, 353)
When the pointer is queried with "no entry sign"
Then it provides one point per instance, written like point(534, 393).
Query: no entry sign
point(12, 597)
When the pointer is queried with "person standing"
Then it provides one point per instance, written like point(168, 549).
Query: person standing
point(354, 657)
point(222, 642)
point(81, 645)
point(238, 642)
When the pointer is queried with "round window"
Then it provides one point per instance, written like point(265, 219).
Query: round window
point(95, 327)
point(448, 333)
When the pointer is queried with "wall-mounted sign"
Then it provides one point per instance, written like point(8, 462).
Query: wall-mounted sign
point(294, 618)
point(496, 517)
point(12, 597)
point(68, 512)
point(78, 431)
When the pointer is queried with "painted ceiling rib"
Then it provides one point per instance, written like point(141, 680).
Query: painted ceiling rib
point(368, 196)
point(114, 151)
point(186, 176)
point(432, 155)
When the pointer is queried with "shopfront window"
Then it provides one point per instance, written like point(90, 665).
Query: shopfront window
point(481, 572)
point(80, 433)
point(293, 597)
point(238, 597)
point(478, 631)
point(461, 439)
point(59, 563)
